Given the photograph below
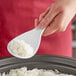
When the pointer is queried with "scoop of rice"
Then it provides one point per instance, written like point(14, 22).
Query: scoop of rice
point(21, 48)
point(34, 72)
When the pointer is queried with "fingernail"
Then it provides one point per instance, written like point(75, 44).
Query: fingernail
point(41, 26)
point(44, 34)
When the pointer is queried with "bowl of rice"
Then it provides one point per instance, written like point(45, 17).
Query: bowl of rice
point(39, 65)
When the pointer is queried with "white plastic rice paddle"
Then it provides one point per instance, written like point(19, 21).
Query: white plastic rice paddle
point(32, 38)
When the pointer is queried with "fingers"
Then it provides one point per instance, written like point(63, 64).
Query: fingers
point(48, 18)
point(56, 25)
point(50, 29)
point(41, 17)
point(43, 14)
point(59, 23)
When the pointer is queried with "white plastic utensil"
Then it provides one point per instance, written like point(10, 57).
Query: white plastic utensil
point(32, 38)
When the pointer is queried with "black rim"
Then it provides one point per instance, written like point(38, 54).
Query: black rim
point(54, 61)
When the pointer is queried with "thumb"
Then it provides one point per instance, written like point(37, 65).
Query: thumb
point(36, 22)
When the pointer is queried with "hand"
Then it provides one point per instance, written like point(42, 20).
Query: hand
point(57, 17)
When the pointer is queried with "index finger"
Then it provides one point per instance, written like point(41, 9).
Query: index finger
point(48, 18)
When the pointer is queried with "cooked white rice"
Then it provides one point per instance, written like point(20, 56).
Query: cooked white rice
point(21, 48)
point(34, 72)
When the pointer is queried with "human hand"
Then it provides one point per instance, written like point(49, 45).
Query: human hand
point(57, 17)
